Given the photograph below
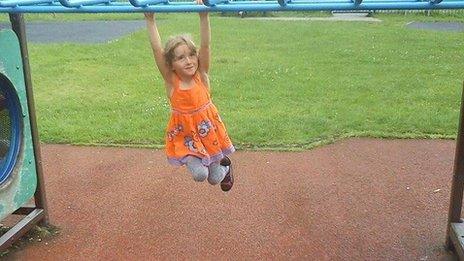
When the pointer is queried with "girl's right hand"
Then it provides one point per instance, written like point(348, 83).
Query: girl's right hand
point(149, 16)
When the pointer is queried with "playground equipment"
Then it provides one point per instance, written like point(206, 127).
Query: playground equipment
point(109, 6)
point(20, 165)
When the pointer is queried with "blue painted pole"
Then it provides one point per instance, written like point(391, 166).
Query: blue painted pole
point(13, 3)
point(80, 3)
point(144, 3)
point(122, 7)
point(215, 2)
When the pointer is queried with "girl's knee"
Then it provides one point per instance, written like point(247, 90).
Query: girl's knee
point(198, 170)
point(216, 173)
point(200, 175)
point(214, 179)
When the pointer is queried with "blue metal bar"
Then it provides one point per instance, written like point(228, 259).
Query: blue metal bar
point(352, 1)
point(293, 2)
point(144, 3)
point(235, 7)
point(214, 2)
point(13, 3)
point(80, 3)
point(283, 2)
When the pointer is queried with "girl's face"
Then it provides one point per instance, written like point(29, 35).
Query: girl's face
point(185, 62)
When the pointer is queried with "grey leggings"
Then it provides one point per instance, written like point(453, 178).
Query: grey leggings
point(215, 173)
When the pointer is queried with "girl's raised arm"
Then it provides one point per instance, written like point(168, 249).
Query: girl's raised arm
point(204, 55)
point(156, 46)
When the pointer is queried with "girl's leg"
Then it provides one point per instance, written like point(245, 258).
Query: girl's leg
point(217, 172)
point(198, 170)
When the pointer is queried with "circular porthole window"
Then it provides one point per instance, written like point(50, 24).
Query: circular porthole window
point(10, 128)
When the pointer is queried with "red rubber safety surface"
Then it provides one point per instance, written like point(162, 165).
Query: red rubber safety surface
point(357, 199)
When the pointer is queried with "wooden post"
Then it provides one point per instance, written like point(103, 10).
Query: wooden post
point(457, 187)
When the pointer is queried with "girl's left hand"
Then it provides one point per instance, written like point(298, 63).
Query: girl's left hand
point(200, 2)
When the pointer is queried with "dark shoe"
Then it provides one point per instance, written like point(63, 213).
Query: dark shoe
point(228, 181)
point(225, 161)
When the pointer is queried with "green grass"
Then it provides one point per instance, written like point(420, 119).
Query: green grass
point(435, 15)
point(35, 234)
point(277, 84)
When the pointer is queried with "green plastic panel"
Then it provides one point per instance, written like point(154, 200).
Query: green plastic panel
point(21, 185)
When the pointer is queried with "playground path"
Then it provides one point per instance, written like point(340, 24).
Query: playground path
point(437, 26)
point(87, 32)
point(357, 199)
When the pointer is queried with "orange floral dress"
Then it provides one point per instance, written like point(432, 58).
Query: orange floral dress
point(195, 127)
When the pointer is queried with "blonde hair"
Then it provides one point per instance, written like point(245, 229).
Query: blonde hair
point(173, 42)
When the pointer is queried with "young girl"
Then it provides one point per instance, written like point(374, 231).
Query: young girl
point(196, 135)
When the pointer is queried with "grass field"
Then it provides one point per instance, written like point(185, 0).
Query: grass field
point(278, 84)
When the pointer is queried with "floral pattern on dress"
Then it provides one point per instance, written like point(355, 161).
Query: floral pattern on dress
point(202, 133)
point(203, 128)
point(173, 132)
point(190, 143)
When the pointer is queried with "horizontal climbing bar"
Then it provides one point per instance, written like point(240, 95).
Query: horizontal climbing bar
point(13, 3)
point(144, 3)
point(80, 3)
point(164, 6)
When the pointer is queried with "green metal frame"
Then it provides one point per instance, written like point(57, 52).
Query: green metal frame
point(29, 176)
